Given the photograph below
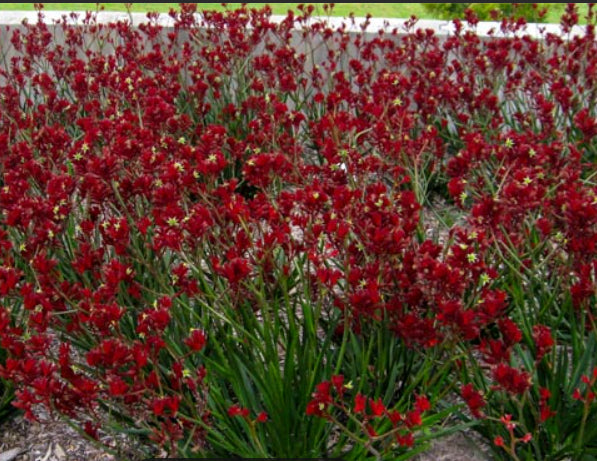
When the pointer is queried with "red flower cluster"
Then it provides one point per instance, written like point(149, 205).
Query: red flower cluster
point(159, 183)
point(330, 402)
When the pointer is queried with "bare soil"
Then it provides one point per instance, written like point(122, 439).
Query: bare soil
point(55, 440)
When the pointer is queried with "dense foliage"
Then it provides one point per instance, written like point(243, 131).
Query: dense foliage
point(6, 394)
point(531, 12)
point(235, 236)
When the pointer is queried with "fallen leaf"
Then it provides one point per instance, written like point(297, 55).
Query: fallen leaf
point(59, 452)
point(48, 453)
point(11, 454)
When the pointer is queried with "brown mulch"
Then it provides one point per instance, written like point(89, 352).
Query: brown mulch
point(52, 439)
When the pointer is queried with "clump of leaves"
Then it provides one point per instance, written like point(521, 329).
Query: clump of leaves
point(531, 12)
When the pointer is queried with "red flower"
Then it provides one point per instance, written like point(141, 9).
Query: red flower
point(321, 399)
point(338, 383)
point(359, 403)
point(545, 411)
point(543, 340)
point(422, 403)
point(512, 380)
point(236, 410)
point(118, 386)
point(370, 430)
point(473, 399)
point(510, 331)
point(196, 340)
point(526, 438)
point(413, 419)
point(235, 270)
point(377, 407)
point(165, 406)
point(405, 440)
point(91, 430)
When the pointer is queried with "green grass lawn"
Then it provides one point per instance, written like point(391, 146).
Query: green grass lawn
point(387, 10)
point(393, 10)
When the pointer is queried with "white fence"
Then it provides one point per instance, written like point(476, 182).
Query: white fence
point(15, 18)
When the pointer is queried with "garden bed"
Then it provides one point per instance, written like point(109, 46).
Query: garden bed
point(229, 234)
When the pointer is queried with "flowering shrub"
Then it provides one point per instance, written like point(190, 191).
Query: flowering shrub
point(216, 235)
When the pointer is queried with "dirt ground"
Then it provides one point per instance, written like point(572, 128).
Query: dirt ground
point(55, 440)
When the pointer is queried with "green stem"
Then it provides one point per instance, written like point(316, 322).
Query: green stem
point(581, 433)
point(356, 439)
point(343, 345)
